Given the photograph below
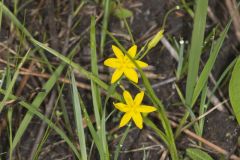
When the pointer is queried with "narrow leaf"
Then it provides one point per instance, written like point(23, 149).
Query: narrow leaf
point(78, 118)
point(234, 90)
point(197, 154)
point(196, 47)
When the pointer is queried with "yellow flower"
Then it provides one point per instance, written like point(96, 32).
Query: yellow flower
point(133, 109)
point(123, 64)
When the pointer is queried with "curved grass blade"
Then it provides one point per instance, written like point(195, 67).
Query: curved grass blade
point(78, 118)
point(105, 24)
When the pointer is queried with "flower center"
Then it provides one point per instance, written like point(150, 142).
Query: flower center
point(126, 63)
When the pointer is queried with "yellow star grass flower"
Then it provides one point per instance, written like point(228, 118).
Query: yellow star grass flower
point(133, 109)
point(123, 64)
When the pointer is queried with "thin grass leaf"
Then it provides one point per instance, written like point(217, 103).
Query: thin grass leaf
point(196, 47)
point(222, 77)
point(234, 90)
point(96, 97)
point(180, 60)
point(9, 113)
point(105, 25)
point(93, 132)
point(153, 126)
point(2, 1)
point(209, 65)
point(33, 111)
point(119, 146)
point(78, 118)
point(11, 85)
point(202, 110)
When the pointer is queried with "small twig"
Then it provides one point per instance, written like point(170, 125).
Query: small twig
point(167, 81)
point(164, 155)
point(63, 80)
point(169, 47)
point(204, 115)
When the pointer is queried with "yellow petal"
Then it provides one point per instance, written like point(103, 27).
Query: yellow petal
point(146, 109)
point(127, 97)
point(138, 98)
point(116, 75)
point(112, 62)
point(132, 51)
point(131, 74)
point(137, 118)
point(122, 107)
point(119, 54)
point(125, 119)
point(141, 64)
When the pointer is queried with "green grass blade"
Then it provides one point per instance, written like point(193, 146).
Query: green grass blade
point(97, 105)
point(153, 126)
point(93, 132)
point(234, 90)
point(196, 47)
point(105, 25)
point(1, 14)
point(33, 111)
point(78, 118)
point(96, 96)
point(180, 60)
point(222, 77)
point(37, 102)
point(119, 146)
point(209, 65)
point(9, 113)
point(202, 110)
point(12, 83)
